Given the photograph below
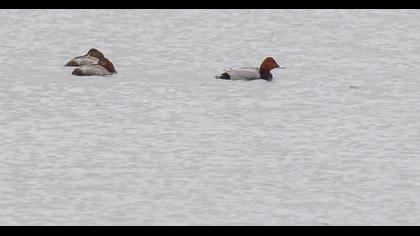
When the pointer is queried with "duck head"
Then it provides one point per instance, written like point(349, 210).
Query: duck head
point(107, 64)
point(93, 52)
point(268, 64)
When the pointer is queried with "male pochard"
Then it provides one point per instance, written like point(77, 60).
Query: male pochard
point(252, 73)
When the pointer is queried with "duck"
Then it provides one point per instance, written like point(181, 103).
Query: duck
point(92, 57)
point(104, 67)
point(252, 73)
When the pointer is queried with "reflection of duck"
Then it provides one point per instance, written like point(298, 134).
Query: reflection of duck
point(252, 73)
point(104, 67)
point(92, 57)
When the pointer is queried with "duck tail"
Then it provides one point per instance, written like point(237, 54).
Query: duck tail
point(225, 76)
point(77, 71)
point(71, 63)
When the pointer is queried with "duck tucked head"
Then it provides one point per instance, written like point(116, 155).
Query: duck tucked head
point(268, 64)
point(107, 64)
point(93, 52)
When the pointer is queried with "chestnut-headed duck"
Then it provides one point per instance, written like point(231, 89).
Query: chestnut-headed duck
point(104, 67)
point(252, 73)
point(92, 57)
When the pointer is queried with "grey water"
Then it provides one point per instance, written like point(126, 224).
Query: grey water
point(333, 140)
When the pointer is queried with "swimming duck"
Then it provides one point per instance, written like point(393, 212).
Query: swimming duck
point(104, 67)
point(252, 73)
point(92, 57)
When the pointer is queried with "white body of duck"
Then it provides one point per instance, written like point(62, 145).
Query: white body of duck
point(252, 73)
point(245, 73)
point(104, 67)
point(91, 58)
point(82, 61)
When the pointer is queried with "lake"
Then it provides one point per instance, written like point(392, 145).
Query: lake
point(334, 139)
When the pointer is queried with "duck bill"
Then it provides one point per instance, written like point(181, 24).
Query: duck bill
point(281, 67)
